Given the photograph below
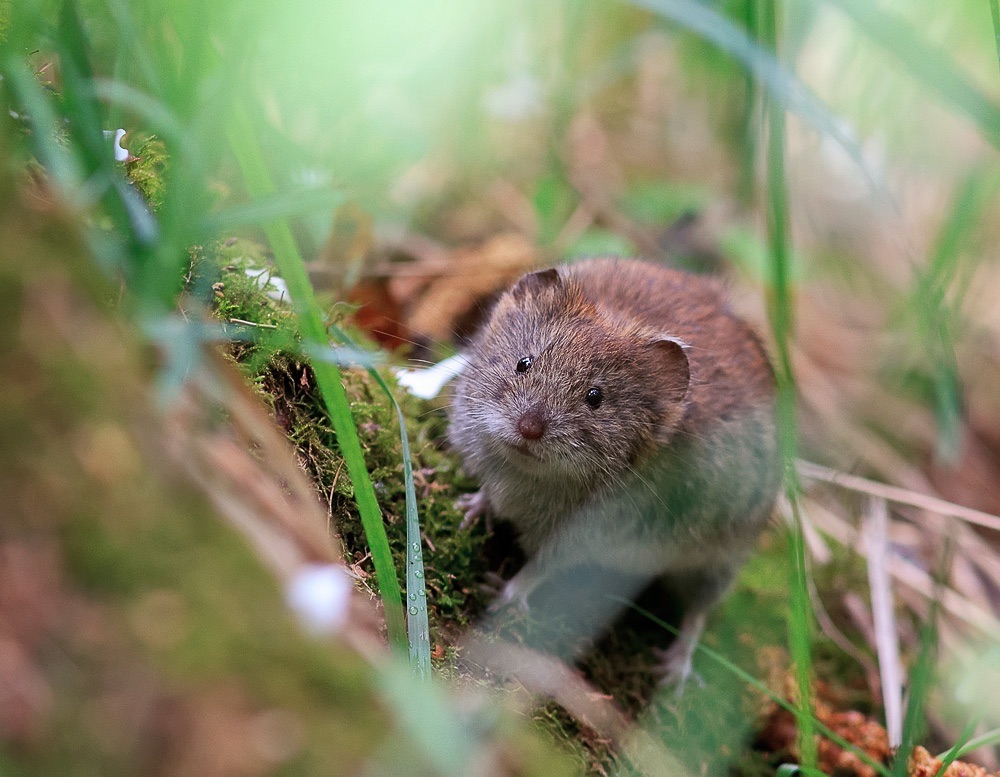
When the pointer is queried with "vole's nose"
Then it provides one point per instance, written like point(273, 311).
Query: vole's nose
point(531, 424)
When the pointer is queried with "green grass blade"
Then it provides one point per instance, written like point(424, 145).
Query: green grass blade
point(927, 64)
point(60, 162)
point(937, 312)
point(983, 740)
point(417, 626)
point(273, 207)
point(780, 313)
point(134, 44)
point(750, 119)
point(937, 316)
point(800, 639)
point(69, 171)
point(922, 674)
point(103, 178)
point(20, 35)
point(81, 106)
point(752, 681)
point(291, 268)
point(780, 83)
point(964, 738)
point(156, 116)
point(995, 16)
point(920, 682)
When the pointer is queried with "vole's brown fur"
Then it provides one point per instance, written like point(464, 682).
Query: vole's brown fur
point(670, 470)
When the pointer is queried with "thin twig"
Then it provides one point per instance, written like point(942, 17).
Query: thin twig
point(884, 616)
point(917, 579)
point(251, 323)
point(896, 494)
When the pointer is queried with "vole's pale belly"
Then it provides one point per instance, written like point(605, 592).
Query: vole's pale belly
point(629, 528)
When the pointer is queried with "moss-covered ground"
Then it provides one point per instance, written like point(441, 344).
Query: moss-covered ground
point(141, 633)
point(713, 724)
point(454, 560)
point(712, 727)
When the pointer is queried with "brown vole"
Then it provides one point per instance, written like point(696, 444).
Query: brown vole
point(619, 415)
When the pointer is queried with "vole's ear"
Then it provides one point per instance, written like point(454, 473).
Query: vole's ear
point(536, 282)
point(674, 371)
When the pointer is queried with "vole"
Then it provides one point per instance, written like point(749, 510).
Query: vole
point(620, 415)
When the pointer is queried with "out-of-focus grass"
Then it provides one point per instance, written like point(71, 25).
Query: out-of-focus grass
point(150, 254)
point(405, 107)
point(782, 323)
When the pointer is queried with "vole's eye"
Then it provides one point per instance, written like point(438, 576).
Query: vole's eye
point(594, 397)
point(523, 365)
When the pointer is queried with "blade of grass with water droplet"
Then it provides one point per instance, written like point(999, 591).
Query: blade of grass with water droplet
point(292, 269)
point(417, 626)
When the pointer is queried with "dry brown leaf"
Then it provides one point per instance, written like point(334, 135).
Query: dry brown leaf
point(476, 274)
point(378, 314)
point(923, 764)
point(779, 735)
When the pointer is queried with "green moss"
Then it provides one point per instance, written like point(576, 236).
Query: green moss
point(162, 641)
point(706, 725)
point(147, 167)
point(454, 561)
point(127, 535)
point(98, 559)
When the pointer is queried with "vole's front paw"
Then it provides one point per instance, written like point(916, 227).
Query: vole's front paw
point(473, 506)
point(492, 584)
point(509, 593)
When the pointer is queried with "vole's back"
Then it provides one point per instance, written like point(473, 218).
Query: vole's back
point(728, 366)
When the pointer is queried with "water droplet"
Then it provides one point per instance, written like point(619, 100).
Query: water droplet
point(418, 574)
point(413, 597)
point(421, 592)
point(415, 546)
point(413, 611)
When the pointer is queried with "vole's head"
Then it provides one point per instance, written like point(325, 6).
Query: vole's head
point(559, 386)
